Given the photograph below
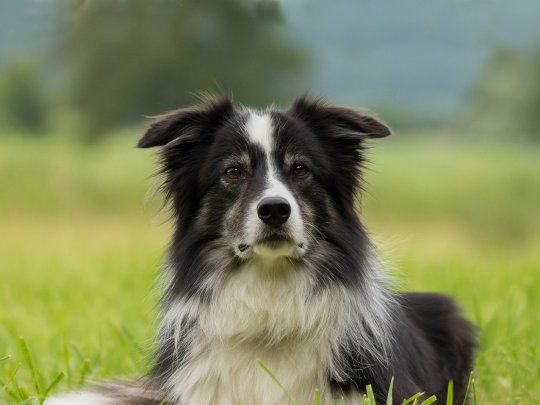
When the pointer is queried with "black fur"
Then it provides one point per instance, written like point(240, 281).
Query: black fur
point(431, 343)
point(434, 344)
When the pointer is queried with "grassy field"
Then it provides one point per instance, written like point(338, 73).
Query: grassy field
point(81, 240)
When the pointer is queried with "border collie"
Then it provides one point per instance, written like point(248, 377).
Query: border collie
point(269, 260)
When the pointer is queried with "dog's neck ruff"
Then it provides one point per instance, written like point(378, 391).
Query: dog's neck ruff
point(279, 314)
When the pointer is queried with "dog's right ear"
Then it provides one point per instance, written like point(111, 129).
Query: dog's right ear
point(184, 121)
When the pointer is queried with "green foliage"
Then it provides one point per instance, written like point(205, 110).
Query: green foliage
point(130, 59)
point(506, 99)
point(390, 397)
point(22, 99)
point(369, 397)
point(80, 249)
point(450, 393)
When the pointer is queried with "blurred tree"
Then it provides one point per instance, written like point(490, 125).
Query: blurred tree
point(22, 98)
point(506, 99)
point(132, 58)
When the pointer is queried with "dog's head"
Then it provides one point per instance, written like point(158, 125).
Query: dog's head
point(264, 184)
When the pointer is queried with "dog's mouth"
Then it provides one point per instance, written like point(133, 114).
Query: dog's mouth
point(273, 246)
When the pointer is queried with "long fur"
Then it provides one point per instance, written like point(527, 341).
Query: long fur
point(315, 307)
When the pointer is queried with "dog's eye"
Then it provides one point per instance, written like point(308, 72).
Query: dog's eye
point(300, 170)
point(233, 173)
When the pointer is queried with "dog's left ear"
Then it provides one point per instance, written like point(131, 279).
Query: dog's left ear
point(180, 124)
point(345, 122)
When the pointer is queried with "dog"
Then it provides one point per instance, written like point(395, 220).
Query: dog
point(270, 266)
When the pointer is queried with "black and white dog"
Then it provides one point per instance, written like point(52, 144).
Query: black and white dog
point(269, 260)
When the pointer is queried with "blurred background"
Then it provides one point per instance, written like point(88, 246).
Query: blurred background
point(453, 199)
point(464, 65)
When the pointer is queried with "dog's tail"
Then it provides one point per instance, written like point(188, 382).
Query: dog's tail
point(112, 393)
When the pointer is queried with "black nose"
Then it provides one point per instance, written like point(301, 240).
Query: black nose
point(274, 211)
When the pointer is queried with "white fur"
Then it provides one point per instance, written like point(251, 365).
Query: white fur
point(268, 310)
point(260, 131)
point(272, 310)
point(80, 398)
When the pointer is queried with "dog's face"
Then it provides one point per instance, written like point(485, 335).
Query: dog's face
point(261, 192)
point(263, 184)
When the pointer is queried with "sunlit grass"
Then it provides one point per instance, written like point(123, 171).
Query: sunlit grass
point(369, 398)
point(80, 245)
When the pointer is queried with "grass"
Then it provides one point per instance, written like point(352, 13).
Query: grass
point(81, 242)
point(369, 397)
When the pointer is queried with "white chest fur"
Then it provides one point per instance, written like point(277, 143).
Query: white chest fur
point(269, 314)
point(228, 374)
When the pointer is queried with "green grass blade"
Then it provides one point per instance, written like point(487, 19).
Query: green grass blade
point(24, 393)
point(389, 397)
point(85, 369)
point(4, 358)
point(473, 385)
point(67, 362)
point(8, 390)
point(450, 393)
point(370, 395)
point(77, 352)
point(54, 383)
point(273, 377)
point(13, 394)
point(412, 399)
point(26, 401)
point(15, 391)
point(468, 390)
point(30, 364)
point(429, 400)
point(317, 397)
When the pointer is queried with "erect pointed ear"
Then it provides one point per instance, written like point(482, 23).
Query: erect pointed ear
point(344, 121)
point(170, 126)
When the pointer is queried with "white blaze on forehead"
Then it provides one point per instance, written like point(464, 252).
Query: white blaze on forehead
point(260, 131)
